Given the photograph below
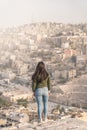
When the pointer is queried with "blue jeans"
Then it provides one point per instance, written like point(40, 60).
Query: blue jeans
point(41, 95)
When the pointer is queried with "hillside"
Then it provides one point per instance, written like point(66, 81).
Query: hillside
point(73, 92)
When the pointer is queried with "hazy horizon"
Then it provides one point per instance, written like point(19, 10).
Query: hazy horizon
point(20, 12)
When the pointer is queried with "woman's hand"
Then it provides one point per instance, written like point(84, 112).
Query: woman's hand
point(33, 94)
point(49, 93)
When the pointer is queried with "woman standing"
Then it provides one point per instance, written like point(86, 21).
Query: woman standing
point(41, 89)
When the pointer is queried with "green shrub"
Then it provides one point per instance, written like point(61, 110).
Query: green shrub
point(74, 105)
point(23, 102)
point(4, 103)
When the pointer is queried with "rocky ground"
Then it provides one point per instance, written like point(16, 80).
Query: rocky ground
point(63, 124)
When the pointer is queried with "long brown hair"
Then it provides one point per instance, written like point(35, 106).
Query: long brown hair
point(40, 73)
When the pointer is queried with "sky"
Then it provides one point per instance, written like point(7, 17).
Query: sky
point(19, 12)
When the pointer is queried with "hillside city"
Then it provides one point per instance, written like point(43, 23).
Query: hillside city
point(63, 48)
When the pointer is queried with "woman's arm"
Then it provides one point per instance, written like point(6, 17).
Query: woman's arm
point(33, 86)
point(48, 83)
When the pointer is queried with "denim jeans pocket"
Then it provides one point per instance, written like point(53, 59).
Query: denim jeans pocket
point(38, 92)
point(45, 91)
